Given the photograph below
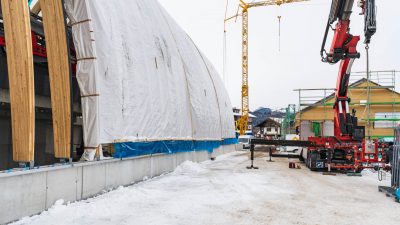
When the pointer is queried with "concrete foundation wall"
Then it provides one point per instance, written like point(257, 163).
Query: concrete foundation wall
point(30, 192)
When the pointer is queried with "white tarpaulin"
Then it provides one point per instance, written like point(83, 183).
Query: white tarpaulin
point(141, 76)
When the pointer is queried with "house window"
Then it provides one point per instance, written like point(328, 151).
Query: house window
point(268, 129)
point(387, 120)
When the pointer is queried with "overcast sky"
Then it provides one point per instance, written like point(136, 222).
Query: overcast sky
point(272, 74)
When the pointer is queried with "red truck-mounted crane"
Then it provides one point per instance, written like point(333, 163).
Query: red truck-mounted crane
point(348, 148)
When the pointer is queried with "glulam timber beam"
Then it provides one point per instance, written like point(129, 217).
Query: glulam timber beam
point(59, 74)
point(18, 37)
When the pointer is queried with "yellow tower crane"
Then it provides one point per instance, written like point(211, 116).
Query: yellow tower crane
point(243, 122)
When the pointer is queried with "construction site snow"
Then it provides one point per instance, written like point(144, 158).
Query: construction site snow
point(225, 192)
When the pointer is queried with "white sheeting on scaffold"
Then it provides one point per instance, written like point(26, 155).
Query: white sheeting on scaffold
point(141, 76)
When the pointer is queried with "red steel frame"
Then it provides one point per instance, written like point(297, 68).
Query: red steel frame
point(356, 152)
point(40, 50)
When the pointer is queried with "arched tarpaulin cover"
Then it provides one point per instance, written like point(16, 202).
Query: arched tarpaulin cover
point(142, 78)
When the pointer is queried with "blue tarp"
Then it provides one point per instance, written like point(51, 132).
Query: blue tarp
point(130, 149)
point(230, 141)
point(398, 194)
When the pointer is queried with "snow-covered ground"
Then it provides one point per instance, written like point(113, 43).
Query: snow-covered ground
point(225, 192)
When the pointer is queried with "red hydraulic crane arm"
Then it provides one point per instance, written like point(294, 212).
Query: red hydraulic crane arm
point(344, 44)
point(344, 49)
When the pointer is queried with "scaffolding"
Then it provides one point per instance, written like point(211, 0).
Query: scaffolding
point(289, 120)
point(385, 79)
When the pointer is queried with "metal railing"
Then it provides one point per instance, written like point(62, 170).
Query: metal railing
point(320, 97)
point(385, 78)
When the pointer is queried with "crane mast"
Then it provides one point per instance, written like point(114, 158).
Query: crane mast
point(243, 121)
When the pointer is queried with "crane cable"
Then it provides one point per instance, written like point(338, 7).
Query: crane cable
point(380, 171)
point(279, 33)
point(279, 17)
point(224, 59)
point(224, 46)
point(368, 91)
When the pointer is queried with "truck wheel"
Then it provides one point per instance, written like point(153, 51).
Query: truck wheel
point(301, 156)
point(312, 158)
point(308, 162)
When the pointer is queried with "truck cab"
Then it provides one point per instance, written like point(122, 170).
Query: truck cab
point(244, 140)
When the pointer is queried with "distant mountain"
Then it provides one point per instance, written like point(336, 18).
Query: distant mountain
point(262, 114)
point(277, 114)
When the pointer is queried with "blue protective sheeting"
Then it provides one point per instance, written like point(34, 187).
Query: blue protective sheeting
point(230, 141)
point(208, 146)
point(131, 149)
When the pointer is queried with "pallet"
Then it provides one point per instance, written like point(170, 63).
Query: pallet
point(352, 174)
point(329, 174)
point(389, 192)
point(289, 156)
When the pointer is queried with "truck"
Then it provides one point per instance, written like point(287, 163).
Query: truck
point(349, 148)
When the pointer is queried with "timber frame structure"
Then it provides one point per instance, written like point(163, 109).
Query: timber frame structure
point(377, 81)
point(45, 42)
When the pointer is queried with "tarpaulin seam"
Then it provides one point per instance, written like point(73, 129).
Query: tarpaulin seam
point(185, 73)
point(212, 81)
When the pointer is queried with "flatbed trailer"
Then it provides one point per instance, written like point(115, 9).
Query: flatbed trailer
point(329, 154)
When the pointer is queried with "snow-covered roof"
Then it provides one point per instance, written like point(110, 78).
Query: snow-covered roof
point(240, 114)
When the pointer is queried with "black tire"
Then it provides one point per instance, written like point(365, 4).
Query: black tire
point(308, 162)
point(301, 158)
point(309, 155)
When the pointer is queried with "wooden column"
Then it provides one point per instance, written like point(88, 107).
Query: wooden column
point(20, 72)
point(59, 73)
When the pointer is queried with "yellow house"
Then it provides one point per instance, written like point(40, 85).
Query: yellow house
point(383, 114)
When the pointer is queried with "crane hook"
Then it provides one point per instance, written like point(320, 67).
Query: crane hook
point(279, 33)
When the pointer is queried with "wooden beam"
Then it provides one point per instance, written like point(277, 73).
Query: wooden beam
point(20, 73)
point(59, 73)
point(36, 8)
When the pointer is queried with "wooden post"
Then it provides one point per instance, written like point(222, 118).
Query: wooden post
point(20, 72)
point(59, 73)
